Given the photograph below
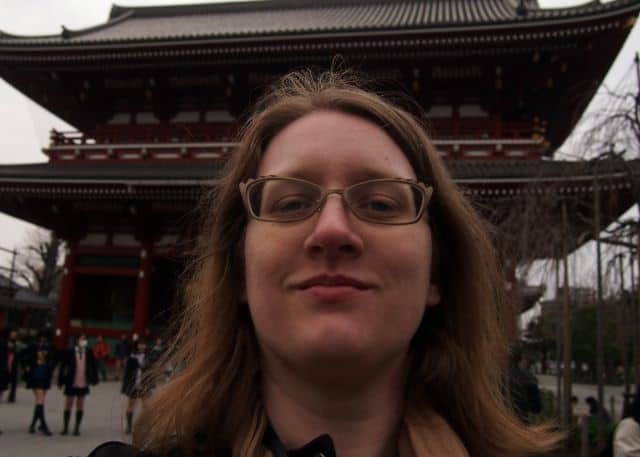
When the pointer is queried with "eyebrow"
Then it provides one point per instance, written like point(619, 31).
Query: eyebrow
point(360, 174)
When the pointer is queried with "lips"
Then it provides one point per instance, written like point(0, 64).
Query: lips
point(331, 281)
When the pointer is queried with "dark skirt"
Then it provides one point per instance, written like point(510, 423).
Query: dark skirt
point(76, 391)
point(135, 392)
point(40, 378)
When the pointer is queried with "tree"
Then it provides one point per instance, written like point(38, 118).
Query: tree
point(39, 263)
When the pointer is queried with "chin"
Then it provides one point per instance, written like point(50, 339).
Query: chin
point(348, 349)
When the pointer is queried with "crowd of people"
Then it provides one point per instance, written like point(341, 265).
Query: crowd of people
point(35, 360)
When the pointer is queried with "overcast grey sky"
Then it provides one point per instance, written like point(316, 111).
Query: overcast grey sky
point(24, 126)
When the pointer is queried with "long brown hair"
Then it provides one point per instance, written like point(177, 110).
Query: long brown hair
point(458, 354)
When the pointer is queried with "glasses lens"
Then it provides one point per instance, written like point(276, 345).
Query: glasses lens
point(282, 200)
point(390, 202)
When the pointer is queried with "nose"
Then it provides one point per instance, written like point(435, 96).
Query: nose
point(333, 234)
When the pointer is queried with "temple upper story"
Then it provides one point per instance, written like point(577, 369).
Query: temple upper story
point(495, 79)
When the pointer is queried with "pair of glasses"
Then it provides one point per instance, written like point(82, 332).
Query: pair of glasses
point(391, 201)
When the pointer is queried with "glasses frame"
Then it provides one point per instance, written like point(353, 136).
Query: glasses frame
point(245, 188)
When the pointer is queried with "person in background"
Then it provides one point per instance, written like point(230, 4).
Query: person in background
point(596, 413)
point(77, 371)
point(121, 354)
point(155, 356)
point(133, 386)
point(101, 353)
point(156, 351)
point(523, 387)
point(39, 363)
point(4, 364)
point(626, 437)
point(13, 349)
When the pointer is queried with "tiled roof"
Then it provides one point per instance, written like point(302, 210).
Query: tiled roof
point(313, 17)
point(116, 172)
point(193, 173)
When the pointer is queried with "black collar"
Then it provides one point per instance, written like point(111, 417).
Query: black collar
point(321, 446)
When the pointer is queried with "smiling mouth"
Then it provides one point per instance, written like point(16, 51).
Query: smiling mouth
point(333, 282)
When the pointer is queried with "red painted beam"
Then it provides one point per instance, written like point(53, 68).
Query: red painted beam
point(143, 291)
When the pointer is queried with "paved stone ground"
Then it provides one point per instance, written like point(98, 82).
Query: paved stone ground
point(103, 421)
point(582, 391)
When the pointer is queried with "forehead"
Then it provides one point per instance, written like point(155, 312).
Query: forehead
point(333, 146)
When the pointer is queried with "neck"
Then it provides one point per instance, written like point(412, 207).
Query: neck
point(362, 421)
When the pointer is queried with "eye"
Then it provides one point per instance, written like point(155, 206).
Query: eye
point(377, 204)
point(291, 204)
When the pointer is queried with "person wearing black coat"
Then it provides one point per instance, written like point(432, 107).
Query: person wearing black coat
point(133, 381)
point(77, 371)
point(39, 361)
point(4, 364)
point(12, 361)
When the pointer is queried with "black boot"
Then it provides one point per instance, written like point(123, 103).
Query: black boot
point(129, 421)
point(36, 416)
point(76, 430)
point(43, 423)
point(66, 416)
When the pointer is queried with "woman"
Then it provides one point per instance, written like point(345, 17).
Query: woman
point(346, 300)
point(132, 382)
point(39, 362)
point(77, 371)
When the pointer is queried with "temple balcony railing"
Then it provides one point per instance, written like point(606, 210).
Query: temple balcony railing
point(153, 133)
point(482, 128)
point(210, 143)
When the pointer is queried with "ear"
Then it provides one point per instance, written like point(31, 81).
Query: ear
point(433, 294)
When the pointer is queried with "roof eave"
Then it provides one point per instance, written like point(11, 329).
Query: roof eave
point(175, 41)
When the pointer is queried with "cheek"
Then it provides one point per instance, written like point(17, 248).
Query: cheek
point(409, 259)
point(265, 259)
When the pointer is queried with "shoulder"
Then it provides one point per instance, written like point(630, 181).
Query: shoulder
point(627, 425)
point(115, 449)
point(120, 449)
point(627, 438)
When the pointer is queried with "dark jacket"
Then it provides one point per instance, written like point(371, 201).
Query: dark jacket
point(38, 359)
point(12, 348)
point(320, 446)
point(130, 374)
point(67, 371)
point(122, 349)
point(4, 364)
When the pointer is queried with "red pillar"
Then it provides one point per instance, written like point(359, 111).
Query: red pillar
point(66, 296)
point(143, 292)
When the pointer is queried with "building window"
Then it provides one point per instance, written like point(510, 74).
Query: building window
point(472, 111)
point(440, 112)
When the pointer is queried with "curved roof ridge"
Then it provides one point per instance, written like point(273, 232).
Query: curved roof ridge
point(240, 20)
point(233, 7)
point(577, 10)
point(529, 6)
point(68, 33)
point(9, 36)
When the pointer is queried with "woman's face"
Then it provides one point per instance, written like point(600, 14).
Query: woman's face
point(300, 276)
